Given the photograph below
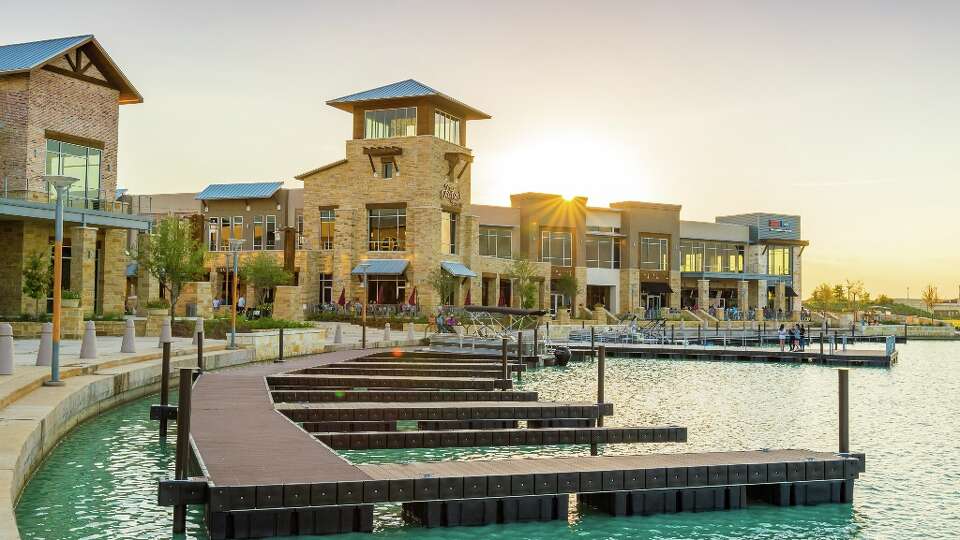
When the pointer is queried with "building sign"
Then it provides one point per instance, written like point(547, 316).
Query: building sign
point(778, 225)
point(450, 193)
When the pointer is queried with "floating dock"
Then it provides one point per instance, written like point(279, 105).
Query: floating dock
point(837, 358)
point(264, 441)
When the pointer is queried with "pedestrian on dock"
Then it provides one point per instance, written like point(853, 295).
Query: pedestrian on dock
point(803, 338)
point(782, 336)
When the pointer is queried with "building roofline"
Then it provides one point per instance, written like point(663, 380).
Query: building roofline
point(642, 204)
point(322, 168)
point(346, 103)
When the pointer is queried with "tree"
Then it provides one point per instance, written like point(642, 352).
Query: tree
point(264, 273)
point(37, 277)
point(930, 297)
point(884, 300)
point(822, 296)
point(838, 293)
point(172, 255)
point(524, 275)
point(568, 286)
point(855, 295)
point(443, 283)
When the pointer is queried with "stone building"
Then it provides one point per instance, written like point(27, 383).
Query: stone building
point(59, 111)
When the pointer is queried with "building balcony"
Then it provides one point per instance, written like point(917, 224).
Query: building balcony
point(93, 211)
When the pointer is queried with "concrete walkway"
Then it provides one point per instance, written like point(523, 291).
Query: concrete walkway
point(108, 349)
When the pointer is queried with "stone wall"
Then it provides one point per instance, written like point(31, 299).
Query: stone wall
point(196, 293)
point(287, 303)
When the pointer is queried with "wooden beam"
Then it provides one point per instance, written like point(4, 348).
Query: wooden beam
point(70, 61)
point(382, 150)
point(84, 78)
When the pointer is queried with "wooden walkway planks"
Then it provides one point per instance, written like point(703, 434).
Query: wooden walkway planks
point(387, 381)
point(865, 357)
point(444, 410)
point(339, 396)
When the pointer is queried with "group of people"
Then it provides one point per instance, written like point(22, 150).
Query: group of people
point(795, 337)
point(445, 323)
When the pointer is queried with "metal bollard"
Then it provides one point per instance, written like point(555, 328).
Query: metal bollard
point(183, 443)
point(386, 332)
point(129, 343)
point(164, 387)
point(165, 332)
point(6, 349)
point(844, 405)
point(88, 346)
point(337, 334)
point(45, 352)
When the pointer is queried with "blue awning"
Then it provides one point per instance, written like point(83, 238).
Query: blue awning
point(457, 269)
point(391, 267)
point(132, 269)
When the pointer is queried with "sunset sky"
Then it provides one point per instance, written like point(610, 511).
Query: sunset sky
point(846, 113)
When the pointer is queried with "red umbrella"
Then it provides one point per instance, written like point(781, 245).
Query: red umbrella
point(501, 301)
point(413, 297)
point(467, 301)
point(343, 297)
point(379, 294)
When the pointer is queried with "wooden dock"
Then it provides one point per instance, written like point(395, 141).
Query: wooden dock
point(838, 358)
point(263, 474)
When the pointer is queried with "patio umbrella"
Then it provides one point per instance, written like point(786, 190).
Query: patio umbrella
point(501, 301)
point(379, 294)
point(343, 297)
point(413, 297)
point(466, 300)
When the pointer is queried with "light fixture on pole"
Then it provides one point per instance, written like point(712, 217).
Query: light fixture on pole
point(61, 184)
point(363, 307)
point(236, 244)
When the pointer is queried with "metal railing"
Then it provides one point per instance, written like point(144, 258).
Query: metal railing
point(99, 200)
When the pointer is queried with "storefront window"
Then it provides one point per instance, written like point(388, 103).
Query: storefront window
point(602, 252)
point(496, 242)
point(654, 253)
point(388, 229)
point(556, 247)
point(80, 162)
point(779, 261)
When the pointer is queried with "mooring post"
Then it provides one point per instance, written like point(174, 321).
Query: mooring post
point(503, 358)
point(673, 335)
point(601, 361)
point(519, 352)
point(183, 444)
point(716, 328)
point(844, 394)
point(164, 387)
point(904, 332)
point(536, 339)
point(593, 343)
point(280, 355)
point(699, 334)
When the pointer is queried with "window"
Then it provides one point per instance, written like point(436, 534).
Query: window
point(710, 256)
point(387, 290)
point(654, 253)
point(602, 229)
point(213, 234)
point(446, 127)
point(257, 232)
point(237, 229)
point(388, 169)
point(779, 261)
point(602, 252)
point(448, 233)
point(326, 229)
point(271, 231)
point(384, 123)
point(326, 288)
point(556, 247)
point(496, 242)
point(225, 233)
point(80, 162)
point(299, 231)
point(388, 229)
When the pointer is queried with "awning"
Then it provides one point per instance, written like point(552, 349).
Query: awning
point(655, 287)
point(790, 292)
point(390, 267)
point(457, 269)
point(132, 269)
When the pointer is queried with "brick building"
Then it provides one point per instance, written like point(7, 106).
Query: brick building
point(59, 111)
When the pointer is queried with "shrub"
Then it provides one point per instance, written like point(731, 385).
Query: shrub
point(67, 294)
point(162, 303)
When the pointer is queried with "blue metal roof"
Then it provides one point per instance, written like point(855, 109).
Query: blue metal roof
point(393, 267)
point(457, 269)
point(402, 89)
point(26, 56)
point(252, 190)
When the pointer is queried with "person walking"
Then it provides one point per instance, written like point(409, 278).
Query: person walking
point(782, 336)
point(803, 338)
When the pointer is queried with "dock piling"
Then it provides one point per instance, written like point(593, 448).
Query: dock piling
point(280, 352)
point(536, 339)
point(503, 358)
point(519, 352)
point(593, 343)
point(200, 365)
point(164, 386)
point(601, 365)
point(844, 398)
point(183, 443)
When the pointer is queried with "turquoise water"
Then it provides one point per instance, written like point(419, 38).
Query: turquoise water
point(100, 482)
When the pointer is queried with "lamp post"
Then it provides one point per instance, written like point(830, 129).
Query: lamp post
point(61, 184)
point(235, 245)
point(363, 307)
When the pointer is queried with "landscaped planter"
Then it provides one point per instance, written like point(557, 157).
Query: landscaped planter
point(296, 342)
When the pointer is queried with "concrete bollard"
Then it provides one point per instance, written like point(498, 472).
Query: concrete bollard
point(410, 335)
point(165, 335)
point(88, 346)
point(386, 332)
point(6, 349)
point(197, 330)
point(45, 352)
point(337, 335)
point(129, 343)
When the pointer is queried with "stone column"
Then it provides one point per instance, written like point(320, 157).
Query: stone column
point(287, 304)
point(761, 299)
point(780, 298)
point(703, 293)
point(743, 295)
point(675, 286)
point(476, 290)
point(543, 296)
point(83, 257)
point(580, 273)
point(115, 261)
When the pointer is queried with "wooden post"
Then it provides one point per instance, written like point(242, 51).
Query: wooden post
point(503, 358)
point(519, 352)
point(904, 332)
point(844, 395)
point(200, 365)
point(699, 334)
point(183, 444)
point(601, 363)
point(280, 355)
point(593, 342)
point(536, 339)
point(673, 338)
point(164, 387)
point(716, 328)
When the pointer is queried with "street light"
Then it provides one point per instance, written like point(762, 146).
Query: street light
point(363, 307)
point(235, 245)
point(61, 184)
